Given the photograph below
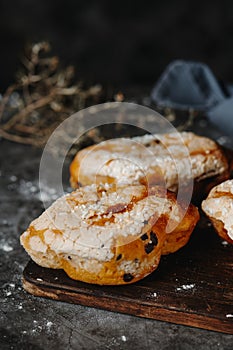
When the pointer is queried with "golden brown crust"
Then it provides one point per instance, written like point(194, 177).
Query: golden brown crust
point(130, 257)
point(110, 274)
point(222, 232)
point(181, 235)
point(218, 207)
point(209, 164)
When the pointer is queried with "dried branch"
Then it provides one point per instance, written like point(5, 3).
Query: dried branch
point(43, 96)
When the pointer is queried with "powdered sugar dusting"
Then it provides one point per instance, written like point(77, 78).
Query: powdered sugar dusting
point(42, 192)
point(76, 217)
point(5, 246)
point(128, 160)
point(221, 207)
point(186, 287)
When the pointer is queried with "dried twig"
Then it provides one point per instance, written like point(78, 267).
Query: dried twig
point(43, 96)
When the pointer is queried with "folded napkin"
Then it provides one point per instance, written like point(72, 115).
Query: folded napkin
point(222, 116)
point(188, 85)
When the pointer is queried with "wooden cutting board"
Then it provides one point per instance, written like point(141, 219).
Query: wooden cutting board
point(192, 287)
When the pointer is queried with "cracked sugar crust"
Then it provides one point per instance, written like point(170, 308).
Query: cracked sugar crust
point(108, 234)
point(219, 208)
point(157, 159)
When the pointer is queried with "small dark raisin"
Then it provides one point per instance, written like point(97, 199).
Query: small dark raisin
point(119, 257)
point(149, 247)
point(153, 238)
point(127, 277)
point(69, 257)
point(144, 237)
point(102, 246)
point(145, 222)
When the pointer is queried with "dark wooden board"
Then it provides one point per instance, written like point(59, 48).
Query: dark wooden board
point(205, 263)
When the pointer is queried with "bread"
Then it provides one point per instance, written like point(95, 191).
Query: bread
point(152, 160)
point(109, 235)
point(219, 208)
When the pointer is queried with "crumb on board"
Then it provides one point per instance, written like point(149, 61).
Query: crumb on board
point(186, 287)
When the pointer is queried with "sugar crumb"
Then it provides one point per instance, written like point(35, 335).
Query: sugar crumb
point(13, 178)
point(49, 324)
point(6, 247)
point(186, 287)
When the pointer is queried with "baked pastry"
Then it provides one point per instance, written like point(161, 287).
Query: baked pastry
point(219, 208)
point(152, 160)
point(109, 235)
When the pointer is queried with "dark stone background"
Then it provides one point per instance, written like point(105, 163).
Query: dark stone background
point(120, 42)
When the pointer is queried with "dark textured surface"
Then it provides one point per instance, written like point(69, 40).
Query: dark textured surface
point(27, 322)
point(120, 42)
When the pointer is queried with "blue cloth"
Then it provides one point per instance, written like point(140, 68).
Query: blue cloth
point(186, 85)
point(222, 116)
